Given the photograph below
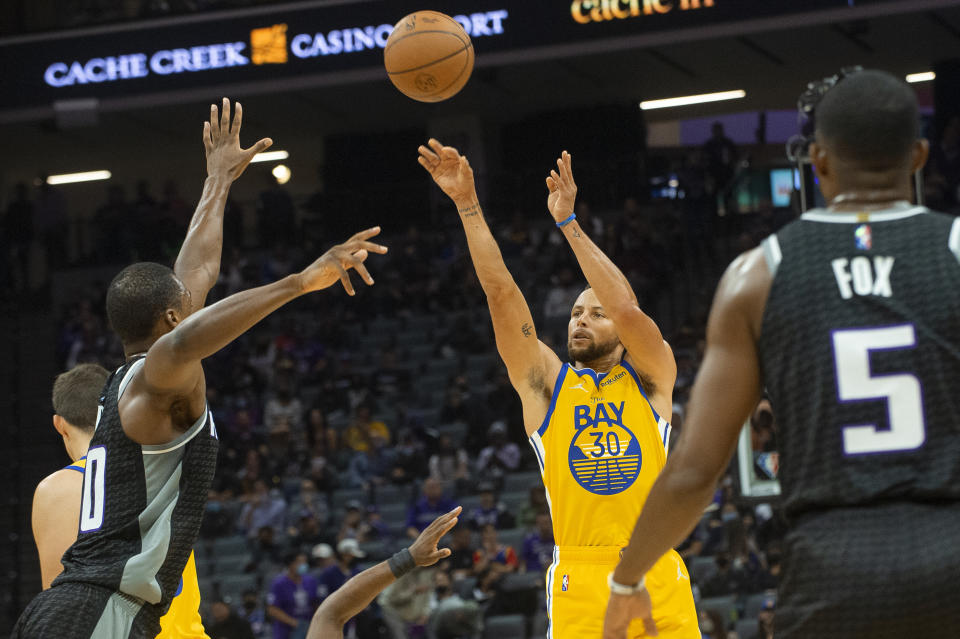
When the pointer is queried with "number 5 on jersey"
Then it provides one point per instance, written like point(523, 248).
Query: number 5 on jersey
point(91, 509)
point(902, 392)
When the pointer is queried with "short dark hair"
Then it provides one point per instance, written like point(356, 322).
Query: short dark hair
point(138, 297)
point(870, 117)
point(76, 394)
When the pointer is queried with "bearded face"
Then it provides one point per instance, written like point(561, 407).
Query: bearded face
point(586, 348)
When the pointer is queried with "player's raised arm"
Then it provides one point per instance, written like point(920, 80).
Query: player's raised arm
point(532, 366)
point(727, 389)
point(172, 365)
point(640, 335)
point(198, 263)
point(359, 591)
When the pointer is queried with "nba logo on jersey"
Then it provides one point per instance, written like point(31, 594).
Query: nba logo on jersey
point(863, 237)
point(565, 583)
point(604, 454)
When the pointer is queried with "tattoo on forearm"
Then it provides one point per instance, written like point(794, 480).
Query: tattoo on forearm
point(470, 211)
point(576, 233)
point(527, 329)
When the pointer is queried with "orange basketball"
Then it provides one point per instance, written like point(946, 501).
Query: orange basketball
point(429, 56)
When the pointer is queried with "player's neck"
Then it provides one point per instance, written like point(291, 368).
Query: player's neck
point(602, 365)
point(859, 200)
point(79, 445)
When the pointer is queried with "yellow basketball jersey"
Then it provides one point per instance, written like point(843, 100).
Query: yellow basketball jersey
point(600, 448)
point(183, 617)
point(182, 620)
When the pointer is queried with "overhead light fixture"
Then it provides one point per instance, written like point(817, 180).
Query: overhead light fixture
point(665, 103)
point(86, 176)
point(282, 173)
point(270, 156)
point(925, 76)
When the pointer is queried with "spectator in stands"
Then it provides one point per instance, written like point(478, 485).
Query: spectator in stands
point(321, 558)
point(492, 554)
point(306, 533)
point(373, 465)
point(363, 429)
point(284, 409)
point(409, 458)
point(454, 408)
point(336, 574)
point(726, 581)
point(452, 617)
point(227, 624)
point(377, 528)
point(536, 506)
point(264, 547)
point(292, 598)
point(500, 456)
point(218, 520)
point(720, 155)
point(427, 508)
point(353, 526)
point(560, 297)
point(462, 550)
point(51, 224)
point(253, 471)
point(765, 620)
point(255, 615)
point(406, 603)
point(490, 511)
point(263, 508)
point(308, 503)
point(450, 463)
point(537, 552)
point(712, 625)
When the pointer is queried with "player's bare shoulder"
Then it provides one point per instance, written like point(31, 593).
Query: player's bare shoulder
point(63, 484)
point(745, 286)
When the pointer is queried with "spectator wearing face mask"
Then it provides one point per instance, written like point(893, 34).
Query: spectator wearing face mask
point(292, 599)
point(254, 614)
point(452, 616)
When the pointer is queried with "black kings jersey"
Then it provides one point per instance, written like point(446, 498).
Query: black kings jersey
point(142, 505)
point(860, 350)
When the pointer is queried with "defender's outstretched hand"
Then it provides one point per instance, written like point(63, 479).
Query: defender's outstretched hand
point(336, 262)
point(222, 142)
point(563, 190)
point(450, 170)
point(424, 549)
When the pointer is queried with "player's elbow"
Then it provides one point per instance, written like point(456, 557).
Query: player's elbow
point(330, 615)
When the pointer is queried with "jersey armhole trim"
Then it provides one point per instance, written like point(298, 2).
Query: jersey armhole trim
point(772, 253)
point(954, 241)
point(182, 440)
point(636, 378)
point(557, 385)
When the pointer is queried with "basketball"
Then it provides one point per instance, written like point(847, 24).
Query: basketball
point(428, 56)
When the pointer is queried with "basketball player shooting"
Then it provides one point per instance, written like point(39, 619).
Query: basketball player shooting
point(595, 424)
point(849, 318)
point(153, 454)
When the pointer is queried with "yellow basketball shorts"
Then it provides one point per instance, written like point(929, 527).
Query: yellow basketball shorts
point(577, 594)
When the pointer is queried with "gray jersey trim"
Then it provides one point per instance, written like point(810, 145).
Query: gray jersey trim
point(116, 620)
point(771, 251)
point(179, 442)
point(954, 241)
point(128, 376)
point(896, 212)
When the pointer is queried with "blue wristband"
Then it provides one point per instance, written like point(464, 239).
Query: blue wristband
point(572, 217)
